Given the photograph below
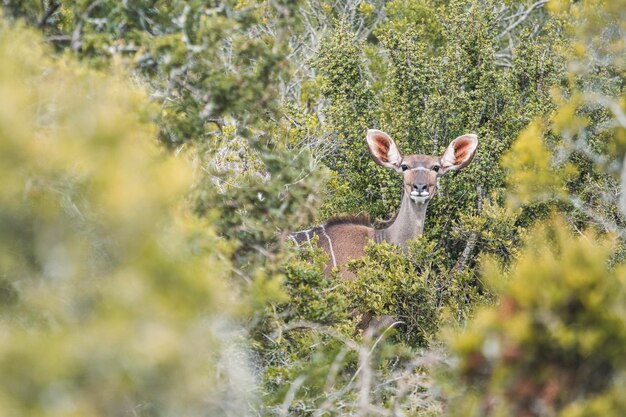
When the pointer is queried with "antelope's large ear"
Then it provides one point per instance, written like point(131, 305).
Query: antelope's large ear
point(383, 149)
point(459, 153)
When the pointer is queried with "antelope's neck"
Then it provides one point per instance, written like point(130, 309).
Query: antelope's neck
point(408, 225)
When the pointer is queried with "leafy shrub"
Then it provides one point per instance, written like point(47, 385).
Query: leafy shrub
point(557, 337)
point(402, 286)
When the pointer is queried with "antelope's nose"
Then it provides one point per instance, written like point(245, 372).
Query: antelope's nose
point(421, 188)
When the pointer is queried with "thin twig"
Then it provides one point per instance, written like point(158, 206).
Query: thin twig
point(524, 16)
point(52, 8)
point(291, 394)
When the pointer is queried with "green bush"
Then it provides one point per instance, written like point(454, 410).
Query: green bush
point(402, 286)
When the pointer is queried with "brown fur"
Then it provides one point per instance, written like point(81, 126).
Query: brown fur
point(348, 241)
point(359, 219)
point(347, 235)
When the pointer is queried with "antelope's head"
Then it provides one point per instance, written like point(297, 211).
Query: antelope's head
point(421, 172)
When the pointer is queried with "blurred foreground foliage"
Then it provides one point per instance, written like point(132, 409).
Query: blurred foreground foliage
point(134, 278)
point(556, 340)
point(113, 299)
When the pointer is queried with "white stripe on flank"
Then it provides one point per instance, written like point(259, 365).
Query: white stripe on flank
point(330, 246)
point(308, 238)
point(292, 237)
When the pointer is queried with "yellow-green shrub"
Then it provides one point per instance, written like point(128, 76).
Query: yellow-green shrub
point(112, 301)
point(557, 337)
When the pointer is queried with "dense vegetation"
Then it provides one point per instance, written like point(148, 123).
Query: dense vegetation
point(156, 154)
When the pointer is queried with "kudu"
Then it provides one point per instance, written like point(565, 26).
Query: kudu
point(345, 238)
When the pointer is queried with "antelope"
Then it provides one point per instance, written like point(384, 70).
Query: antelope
point(345, 238)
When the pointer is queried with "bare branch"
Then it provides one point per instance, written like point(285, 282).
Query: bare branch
point(522, 18)
point(52, 8)
point(291, 394)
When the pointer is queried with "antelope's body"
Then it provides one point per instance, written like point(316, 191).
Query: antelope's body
point(345, 238)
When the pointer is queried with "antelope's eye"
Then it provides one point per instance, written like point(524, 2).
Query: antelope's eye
point(404, 167)
point(436, 168)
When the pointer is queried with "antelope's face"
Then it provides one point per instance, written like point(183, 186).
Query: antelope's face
point(421, 172)
point(421, 175)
